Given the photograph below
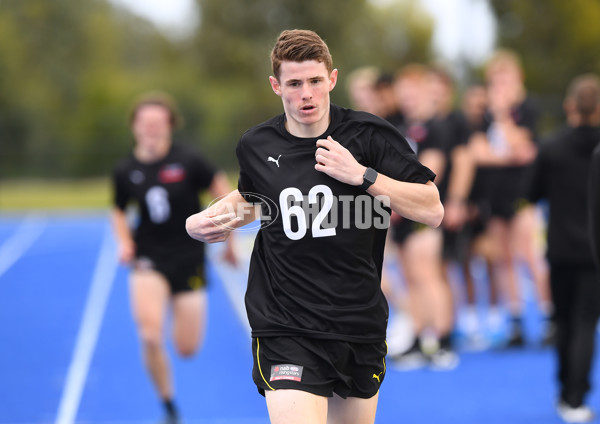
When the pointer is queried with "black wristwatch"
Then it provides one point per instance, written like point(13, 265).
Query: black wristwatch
point(368, 178)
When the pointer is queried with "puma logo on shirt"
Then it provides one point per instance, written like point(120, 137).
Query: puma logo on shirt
point(274, 160)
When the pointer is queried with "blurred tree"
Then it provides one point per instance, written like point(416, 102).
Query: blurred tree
point(556, 40)
point(70, 68)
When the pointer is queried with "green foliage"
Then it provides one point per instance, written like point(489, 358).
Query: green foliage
point(236, 36)
point(70, 68)
point(556, 39)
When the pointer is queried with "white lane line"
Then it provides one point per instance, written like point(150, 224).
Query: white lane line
point(93, 315)
point(15, 247)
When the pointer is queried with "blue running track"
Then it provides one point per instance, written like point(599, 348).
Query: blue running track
point(69, 352)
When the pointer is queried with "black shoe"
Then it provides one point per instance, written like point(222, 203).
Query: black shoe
point(515, 338)
point(410, 359)
point(171, 415)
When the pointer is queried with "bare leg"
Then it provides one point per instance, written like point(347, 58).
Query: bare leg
point(414, 296)
point(505, 265)
point(149, 299)
point(424, 256)
point(503, 259)
point(296, 407)
point(352, 410)
point(525, 234)
point(189, 317)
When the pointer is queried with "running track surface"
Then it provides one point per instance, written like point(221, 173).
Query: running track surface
point(69, 352)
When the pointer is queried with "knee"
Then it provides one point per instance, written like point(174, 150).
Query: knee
point(186, 343)
point(151, 339)
point(186, 350)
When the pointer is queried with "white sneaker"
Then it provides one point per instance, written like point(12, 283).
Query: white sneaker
point(580, 414)
point(444, 360)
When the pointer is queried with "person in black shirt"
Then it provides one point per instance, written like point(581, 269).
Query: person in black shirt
point(560, 175)
point(164, 180)
point(314, 302)
point(504, 152)
point(473, 108)
point(418, 247)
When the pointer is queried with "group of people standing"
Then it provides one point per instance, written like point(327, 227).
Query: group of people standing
point(318, 293)
point(504, 187)
point(481, 150)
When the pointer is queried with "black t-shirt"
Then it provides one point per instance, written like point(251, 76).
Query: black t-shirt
point(315, 271)
point(421, 136)
point(560, 175)
point(502, 186)
point(455, 132)
point(166, 193)
point(594, 205)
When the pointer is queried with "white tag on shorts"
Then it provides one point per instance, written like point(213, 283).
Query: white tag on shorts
point(286, 372)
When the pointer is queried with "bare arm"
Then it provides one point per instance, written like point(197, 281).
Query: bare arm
point(126, 245)
point(435, 160)
point(482, 152)
point(418, 202)
point(459, 187)
point(522, 147)
point(216, 223)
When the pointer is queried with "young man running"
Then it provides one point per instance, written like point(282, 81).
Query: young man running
point(314, 300)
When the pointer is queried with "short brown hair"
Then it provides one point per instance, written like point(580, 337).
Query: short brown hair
point(413, 71)
point(157, 98)
point(299, 45)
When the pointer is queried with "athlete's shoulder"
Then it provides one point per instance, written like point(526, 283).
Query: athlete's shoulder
point(357, 117)
point(557, 145)
point(379, 128)
point(124, 164)
point(183, 150)
point(557, 137)
point(264, 128)
point(188, 155)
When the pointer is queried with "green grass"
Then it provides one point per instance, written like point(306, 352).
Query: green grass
point(62, 194)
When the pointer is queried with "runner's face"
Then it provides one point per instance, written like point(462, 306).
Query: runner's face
point(151, 127)
point(304, 89)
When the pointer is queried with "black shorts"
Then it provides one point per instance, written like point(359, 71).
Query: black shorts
point(318, 366)
point(401, 230)
point(456, 244)
point(183, 273)
point(506, 192)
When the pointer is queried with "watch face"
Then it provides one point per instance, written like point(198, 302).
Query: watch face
point(369, 178)
point(370, 175)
